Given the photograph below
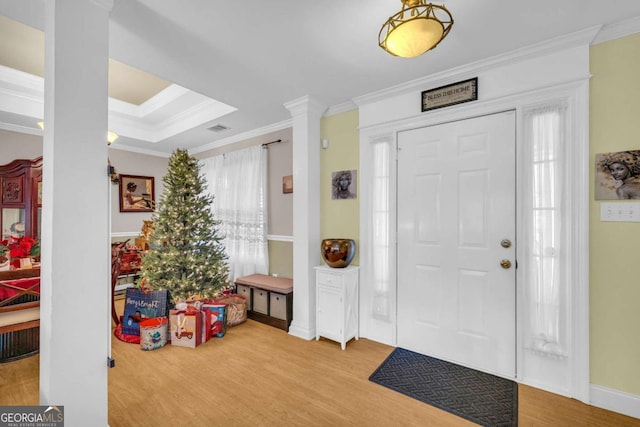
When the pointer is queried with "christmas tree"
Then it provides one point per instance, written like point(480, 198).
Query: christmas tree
point(186, 255)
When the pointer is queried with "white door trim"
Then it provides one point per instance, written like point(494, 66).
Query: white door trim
point(576, 95)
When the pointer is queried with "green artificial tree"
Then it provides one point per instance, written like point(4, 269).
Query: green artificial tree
point(186, 255)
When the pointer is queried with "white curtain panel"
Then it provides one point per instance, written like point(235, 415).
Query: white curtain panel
point(381, 217)
point(238, 182)
point(543, 210)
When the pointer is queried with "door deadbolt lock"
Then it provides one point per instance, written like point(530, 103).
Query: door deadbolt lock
point(505, 243)
point(505, 263)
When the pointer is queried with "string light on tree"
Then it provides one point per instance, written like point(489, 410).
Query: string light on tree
point(186, 254)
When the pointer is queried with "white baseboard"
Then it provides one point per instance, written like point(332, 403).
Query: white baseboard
point(301, 331)
point(616, 401)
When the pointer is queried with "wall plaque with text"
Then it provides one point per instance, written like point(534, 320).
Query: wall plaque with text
point(452, 94)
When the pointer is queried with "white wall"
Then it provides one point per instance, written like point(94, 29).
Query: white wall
point(130, 163)
point(15, 145)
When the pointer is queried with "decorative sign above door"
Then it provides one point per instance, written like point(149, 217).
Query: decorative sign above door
point(455, 93)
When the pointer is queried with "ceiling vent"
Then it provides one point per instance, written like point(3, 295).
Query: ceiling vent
point(217, 128)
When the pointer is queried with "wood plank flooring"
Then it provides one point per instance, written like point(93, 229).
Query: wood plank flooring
point(258, 375)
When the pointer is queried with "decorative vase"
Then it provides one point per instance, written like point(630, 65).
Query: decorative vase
point(4, 263)
point(25, 263)
point(338, 253)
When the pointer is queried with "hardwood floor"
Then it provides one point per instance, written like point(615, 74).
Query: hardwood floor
point(258, 375)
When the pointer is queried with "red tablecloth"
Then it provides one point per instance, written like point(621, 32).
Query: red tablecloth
point(6, 292)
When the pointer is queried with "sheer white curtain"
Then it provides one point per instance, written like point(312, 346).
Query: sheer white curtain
point(238, 182)
point(381, 238)
point(546, 263)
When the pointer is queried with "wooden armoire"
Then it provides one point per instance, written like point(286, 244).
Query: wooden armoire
point(21, 199)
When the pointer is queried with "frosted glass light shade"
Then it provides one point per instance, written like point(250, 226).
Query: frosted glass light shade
point(111, 136)
point(415, 37)
point(416, 29)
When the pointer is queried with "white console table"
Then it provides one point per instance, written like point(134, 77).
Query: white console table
point(337, 303)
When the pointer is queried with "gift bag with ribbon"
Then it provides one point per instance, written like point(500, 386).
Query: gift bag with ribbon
point(186, 327)
point(143, 303)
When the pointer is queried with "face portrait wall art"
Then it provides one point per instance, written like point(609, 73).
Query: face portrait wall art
point(617, 175)
point(343, 185)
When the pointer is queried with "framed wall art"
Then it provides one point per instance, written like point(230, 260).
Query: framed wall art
point(617, 175)
point(287, 184)
point(343, 185)
point(137, 193)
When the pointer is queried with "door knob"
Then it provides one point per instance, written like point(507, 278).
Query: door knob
point(505, 263)
point(505, 243)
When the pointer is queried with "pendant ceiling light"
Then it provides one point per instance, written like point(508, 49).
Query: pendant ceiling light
point(417, 28)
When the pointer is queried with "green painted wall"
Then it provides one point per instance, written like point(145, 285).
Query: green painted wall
point(281, 258)
point(339, 218)
point(615, 286)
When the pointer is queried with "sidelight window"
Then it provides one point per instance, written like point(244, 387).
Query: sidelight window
point(545, 264)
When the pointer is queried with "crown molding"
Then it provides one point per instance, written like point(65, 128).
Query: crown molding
point(20, 129)
point(8, 93)
point(340, 108)
point(244, 136)
point(132, 127)
point(140, 150)
point(578, 38)
point(619, 29)
point(170, 112)
point(23, 82)
point(207, 110)
point(24, 103)
point(161, 99)
point(305, 105)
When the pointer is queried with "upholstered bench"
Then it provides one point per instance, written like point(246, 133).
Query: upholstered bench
point(269, 299)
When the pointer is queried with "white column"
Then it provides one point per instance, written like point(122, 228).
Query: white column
point(75, 242)
point(306, 113)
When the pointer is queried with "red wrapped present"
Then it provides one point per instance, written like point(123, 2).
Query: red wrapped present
point(219, 318)
point(207, 320)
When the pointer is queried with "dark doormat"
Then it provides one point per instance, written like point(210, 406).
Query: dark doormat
point(476, 396)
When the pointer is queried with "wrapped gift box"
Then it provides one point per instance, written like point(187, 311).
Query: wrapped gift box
point(207, 321)
point(218, 318)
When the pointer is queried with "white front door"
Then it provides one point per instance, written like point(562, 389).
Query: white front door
point(456, 239)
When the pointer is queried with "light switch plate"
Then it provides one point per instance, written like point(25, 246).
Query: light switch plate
point(620, 212)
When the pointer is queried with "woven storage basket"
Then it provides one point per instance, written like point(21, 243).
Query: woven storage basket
point(236, 308)
point(153, 333)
